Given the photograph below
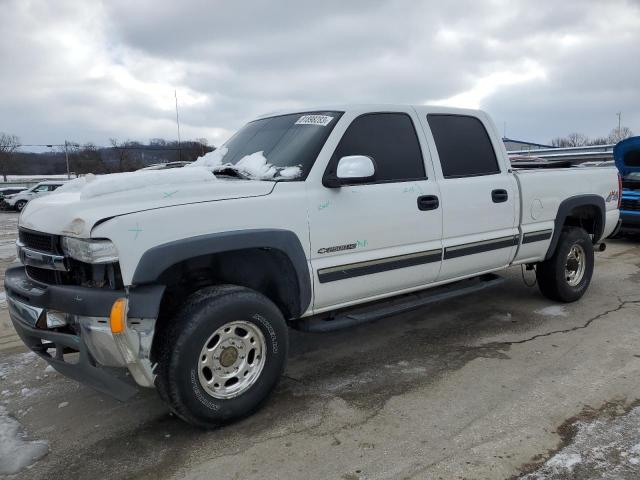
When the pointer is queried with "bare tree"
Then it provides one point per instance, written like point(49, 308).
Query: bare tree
point(8, 144)
point(123, 155)
point(599, 141)
point(87, 159)
point(571, 140)
point(619, 134)
point(577, 139)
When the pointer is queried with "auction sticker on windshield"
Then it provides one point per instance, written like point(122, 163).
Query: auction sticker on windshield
point(322, 120)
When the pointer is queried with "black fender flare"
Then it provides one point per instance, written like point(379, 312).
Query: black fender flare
point(565, 208)
point(159, 258)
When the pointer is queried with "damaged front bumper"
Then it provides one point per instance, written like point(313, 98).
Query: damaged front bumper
point(68, 326)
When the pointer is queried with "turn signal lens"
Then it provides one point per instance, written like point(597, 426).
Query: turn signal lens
point(118, 317)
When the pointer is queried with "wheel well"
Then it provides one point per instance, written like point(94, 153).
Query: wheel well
point(268, 271)
point(585, 211)
point(587, 217)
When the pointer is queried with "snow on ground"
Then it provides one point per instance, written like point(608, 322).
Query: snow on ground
point(16, 451)
point(553, 311)
point(606, 448)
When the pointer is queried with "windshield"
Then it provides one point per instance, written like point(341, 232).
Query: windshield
point(275, 148)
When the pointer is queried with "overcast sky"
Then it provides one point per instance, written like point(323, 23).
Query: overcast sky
point(88, 70)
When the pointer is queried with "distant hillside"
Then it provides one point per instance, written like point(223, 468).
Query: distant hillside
point(91, 159)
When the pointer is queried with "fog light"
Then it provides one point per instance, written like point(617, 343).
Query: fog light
point(56, 319)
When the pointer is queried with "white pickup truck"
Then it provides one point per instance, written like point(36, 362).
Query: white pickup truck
point(314, 219)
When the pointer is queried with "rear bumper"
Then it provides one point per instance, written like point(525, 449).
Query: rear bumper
point(84, 349)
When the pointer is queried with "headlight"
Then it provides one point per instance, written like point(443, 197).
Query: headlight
point(90, 251)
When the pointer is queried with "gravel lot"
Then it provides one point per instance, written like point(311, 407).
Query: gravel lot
point(501, 384)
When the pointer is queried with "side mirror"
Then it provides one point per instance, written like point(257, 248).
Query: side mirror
point(352, 169)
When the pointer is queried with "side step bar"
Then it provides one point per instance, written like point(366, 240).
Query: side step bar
point(395, 306)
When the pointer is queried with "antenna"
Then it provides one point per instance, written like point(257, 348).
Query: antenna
point(175, 93)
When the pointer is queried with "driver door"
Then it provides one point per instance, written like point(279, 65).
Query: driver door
point(376, 238)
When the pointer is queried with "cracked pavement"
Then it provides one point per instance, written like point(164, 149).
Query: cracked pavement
point(473, 388)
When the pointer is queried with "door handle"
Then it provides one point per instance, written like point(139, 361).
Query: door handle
point(428, 202)
point(499, 196)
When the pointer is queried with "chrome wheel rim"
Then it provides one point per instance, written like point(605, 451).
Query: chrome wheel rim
point(231, 359)
point(575, 266)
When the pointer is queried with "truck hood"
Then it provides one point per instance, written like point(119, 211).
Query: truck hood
point(76, 208)
point(627, 155)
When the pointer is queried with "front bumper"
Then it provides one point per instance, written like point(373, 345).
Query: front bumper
point(630, 221)
point(85, 349)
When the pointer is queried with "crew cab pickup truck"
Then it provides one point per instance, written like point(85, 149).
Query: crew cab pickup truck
point(627, 158)
point(190, 278)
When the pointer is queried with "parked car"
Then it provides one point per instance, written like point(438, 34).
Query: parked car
point(627, 157)
point(18, 200)
point(4, 191)
point(317, 220)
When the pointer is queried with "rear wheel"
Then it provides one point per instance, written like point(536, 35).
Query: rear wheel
point(566, 275)
point(222, 355)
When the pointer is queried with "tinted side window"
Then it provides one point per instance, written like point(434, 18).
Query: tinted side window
point(390, 139)
point(464, 146)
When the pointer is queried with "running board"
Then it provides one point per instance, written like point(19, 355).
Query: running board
point(397, 305)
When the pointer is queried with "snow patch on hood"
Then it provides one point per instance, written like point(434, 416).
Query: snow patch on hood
point(210, 159)
point(255, 165)
point(17, 453)
point(91, 186)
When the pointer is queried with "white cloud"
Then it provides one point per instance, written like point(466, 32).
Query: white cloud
point(88, 71)
point(492, 84)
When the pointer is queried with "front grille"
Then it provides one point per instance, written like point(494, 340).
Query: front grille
point(633, 205)
point(38, 241)
point(42, 275)
point(79, 273)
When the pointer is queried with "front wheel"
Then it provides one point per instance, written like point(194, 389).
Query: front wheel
point(565, 276)
point(20, 205)
point(221, 355)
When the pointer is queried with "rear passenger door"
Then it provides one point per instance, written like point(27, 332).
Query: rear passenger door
point(480, 230)
point(370, 240)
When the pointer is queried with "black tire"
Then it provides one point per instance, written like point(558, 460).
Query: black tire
point(179, 353)
point(20, 205)
point(550, 274)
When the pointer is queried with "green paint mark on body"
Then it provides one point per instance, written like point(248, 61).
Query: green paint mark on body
point(169, 194)
point(136, 230)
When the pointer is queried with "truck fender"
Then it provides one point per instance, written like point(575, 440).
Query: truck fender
point(565, 209)
point(159, 258)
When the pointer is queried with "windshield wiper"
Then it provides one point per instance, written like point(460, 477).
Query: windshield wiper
point(230, 171)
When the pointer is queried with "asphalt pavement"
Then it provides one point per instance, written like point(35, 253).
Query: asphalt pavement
point(496, 385)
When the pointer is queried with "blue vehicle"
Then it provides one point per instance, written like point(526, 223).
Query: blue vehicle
point(627, 157)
